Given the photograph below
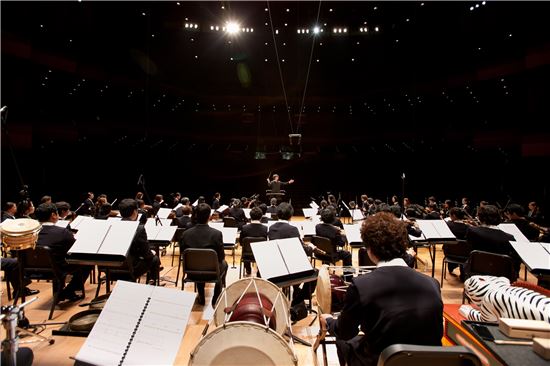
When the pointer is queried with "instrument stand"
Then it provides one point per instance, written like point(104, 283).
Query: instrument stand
point(12, 355)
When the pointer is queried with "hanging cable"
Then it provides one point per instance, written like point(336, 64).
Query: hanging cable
point(279, 66)
point(307, 74)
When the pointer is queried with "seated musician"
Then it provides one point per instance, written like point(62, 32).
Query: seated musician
point(205, 237)
point(10, 266)
point(143, 258)
point(8, 211)
point(254, 229)
point(393, 304)
point(516, 215)
point(488, 237)
point(272, 209)
point(459, 230)
point(237, 213)
point(327, 230)
point(60, 240)
point(184, 221)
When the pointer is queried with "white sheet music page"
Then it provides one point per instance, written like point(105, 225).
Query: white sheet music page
point(165, 233)
point(62, 223)
point(229, 235)
point(163, 212)
point(164, 316)
point(308, 227)
point(443, 229)
point(309, 212)
point(294, 255)
point(247, 212)
point(314, 205)
point(89, 236)
point(512, 229)
point(119, 238)
point(269, 259)
point(435, 229)
point(222, 208)
point(532, 254)
point(353, 233)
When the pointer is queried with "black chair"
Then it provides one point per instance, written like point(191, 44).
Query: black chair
point(325, 244)
point(176, 240)
point(247, 256)
point(413, 355)
point(363, 258)
point(40, 264)
point(455, 253)
point(490, 264)
point(230, 221)
point(125, 272)
point(201, 266)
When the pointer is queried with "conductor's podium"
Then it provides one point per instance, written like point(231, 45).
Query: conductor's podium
point(278, 195)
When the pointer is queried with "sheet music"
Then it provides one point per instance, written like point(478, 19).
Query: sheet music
point(160, 233)
point(309, 212)
point(79, 220)
point(314, 205)
point(353, 233)
point(298, 225)
point(163, 212)
point(308, 228)
point(159, 332)
point(276, 258)
point(105, 237)
point(294, 255)
point(116, 218)
point(216, 225)
point(195, 203)
point(62, 223)
point(533, 254)
point(229, 235)
point(177, 206)
point(222, 208)
point(247, 212)
point(434, 229)
point(357, 215)
point(513, 230)
point(151, 221)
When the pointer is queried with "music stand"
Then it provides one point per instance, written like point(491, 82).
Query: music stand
point(278, 195)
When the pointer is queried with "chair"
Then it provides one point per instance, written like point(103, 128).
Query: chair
point(39, 264)
point(363, 258)
point(229, 221)
point(490, 264)
point(413, 355)
point(124, 272)
point(247, 255)
point(325, 244)
point(455, 253)
point(201, 266)
point(178, 235)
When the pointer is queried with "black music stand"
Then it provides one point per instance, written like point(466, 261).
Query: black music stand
point(278, 195)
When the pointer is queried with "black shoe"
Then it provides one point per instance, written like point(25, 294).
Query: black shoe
point(69, 296)
point(29, 292)
point(200, 300)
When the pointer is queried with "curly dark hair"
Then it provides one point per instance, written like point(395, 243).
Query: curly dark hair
point(385, 236)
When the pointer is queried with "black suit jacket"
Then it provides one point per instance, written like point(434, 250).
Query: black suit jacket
point(238, 214)
point(459, 229)
point(59, 239)
point(184, 222)
point(408, 301)
point(6, 216)
point(282, 230)
point(204, 237)
point(490, 240)
point(254, 230)
point(331, 232)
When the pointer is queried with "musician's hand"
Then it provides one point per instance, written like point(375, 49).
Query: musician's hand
point(291, 181)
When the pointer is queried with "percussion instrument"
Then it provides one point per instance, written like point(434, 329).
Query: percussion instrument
point(20, 234)
point(84, 320)
point(243, 343)
point(251, 316)
point(331, 291)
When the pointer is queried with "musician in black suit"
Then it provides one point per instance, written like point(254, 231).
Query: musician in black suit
point(432, 212)
point(237, 213)
point(393, 304)
point(272, 209)
point(488, 237)
point(185, 220)
point(60, 240)
point(216, 201)
point(255, 229)
point(327, 230)
point(459, 229)
point(88, 206)
point(516, 215)
point(8, 211)
point(203, 236)
point(142, 257)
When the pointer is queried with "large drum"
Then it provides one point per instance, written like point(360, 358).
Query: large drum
point(250, 316)
point(20, 234)
point(331, 290)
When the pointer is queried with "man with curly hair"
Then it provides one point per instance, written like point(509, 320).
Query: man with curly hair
point(393, 304)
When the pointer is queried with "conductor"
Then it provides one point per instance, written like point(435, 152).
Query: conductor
point(274, 187)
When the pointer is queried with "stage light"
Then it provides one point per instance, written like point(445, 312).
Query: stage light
point(316, 30)
point(376, 29)
point(232, 27)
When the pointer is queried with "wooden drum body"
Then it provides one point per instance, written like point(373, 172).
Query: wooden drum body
point(331, 291)
point(20, 234)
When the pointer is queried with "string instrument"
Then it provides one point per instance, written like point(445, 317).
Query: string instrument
point(543, 231)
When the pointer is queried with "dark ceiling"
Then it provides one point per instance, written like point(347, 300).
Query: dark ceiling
point(468, 78)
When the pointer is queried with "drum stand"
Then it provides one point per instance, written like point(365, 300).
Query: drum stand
point(11, 353)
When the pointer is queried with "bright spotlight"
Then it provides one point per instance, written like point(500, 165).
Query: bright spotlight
point(232, 27)
point(316, 30)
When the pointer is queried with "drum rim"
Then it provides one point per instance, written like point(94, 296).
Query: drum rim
point(8, 226)
point(240, 324)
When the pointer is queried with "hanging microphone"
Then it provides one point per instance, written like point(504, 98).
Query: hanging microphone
point(3, 108)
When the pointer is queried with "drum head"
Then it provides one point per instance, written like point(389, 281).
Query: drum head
point(84, 320)
point(242, 343)
point(19, 227)
point(323, 290)
point(234, 291)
